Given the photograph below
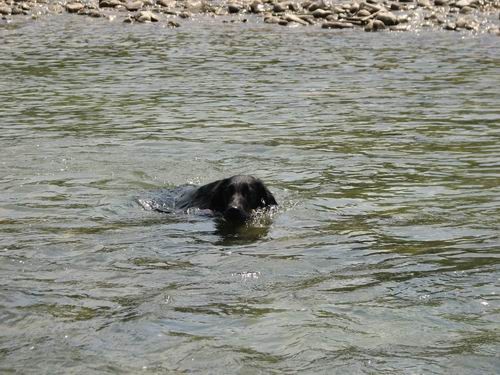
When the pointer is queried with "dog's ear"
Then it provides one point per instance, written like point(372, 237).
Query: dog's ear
point(210, 196)
point(265, 196)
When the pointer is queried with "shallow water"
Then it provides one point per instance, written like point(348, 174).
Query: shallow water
point(382, 150)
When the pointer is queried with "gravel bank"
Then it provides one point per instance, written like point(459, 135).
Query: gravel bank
point(371, 15)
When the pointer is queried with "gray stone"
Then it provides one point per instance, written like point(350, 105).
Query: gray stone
point(463, 3)
point(466, 10)
point(173, 24)
point(318, 5)
point(465, 23)
point(279, 8)
point(233, 8)
point(424, 3)
point(395, 6)
point(363, 13)
point(321, 13)
point(294, 7)
point(145, 16)
point(94, 13)
point(133, 6)
point(308, 18)
point(109, 3)
point(257, 7)
point(389, 19)
point(294, 18)
point(337, 25)
point(16, 11)
point(354, 8)
point(5, 10)
point(375, 25)
point(371, 7)
point(378, 25)
point(74, 7)
point(166, 3)
point(403, 18)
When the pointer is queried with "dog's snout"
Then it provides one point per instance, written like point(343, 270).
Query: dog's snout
point(235, 214)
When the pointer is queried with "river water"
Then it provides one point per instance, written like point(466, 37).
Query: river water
point(382, 149)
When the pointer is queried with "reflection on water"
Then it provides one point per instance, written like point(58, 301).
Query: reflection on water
point(381, 149)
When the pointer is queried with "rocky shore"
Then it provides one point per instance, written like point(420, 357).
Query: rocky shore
point(367, 15)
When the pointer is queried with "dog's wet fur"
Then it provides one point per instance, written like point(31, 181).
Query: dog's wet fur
point(233, 198)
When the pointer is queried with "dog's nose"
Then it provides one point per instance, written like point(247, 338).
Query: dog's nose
point(235, 214)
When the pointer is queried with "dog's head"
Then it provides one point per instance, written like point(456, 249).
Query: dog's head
point(236, 197)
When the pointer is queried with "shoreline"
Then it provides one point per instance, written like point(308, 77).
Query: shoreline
point(476, 16)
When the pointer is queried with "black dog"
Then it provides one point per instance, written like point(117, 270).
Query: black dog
point(234, 198)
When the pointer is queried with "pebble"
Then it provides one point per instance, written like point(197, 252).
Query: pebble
point(233, 8)
point(375, 25)
point(257, 7)
point(279, 8)
point(16, 11)
point(145, 16)
point(271, 19)
point(466, 10)
point(389, 19)
point(371, 7)
point(294, 18)
point(337, 25)
point(463, 3)
point(424, 3)
point(465, 23)
point(317, 5)
point(308, 18)
point(321, 13)
point(363, 13)
point(395, 6)
point(165, 3)
point(354, 8)
point(94, 13)
point(5, 10)
point(74, 7)
point(173, 24)
point(109, 3)
point(133, 6)
point(294, 7)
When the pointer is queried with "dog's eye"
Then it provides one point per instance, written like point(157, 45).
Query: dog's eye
point(245, 190)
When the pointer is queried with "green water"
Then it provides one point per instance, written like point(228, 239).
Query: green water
point(383, 151)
